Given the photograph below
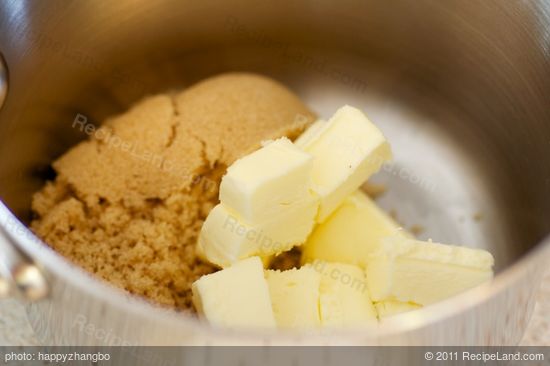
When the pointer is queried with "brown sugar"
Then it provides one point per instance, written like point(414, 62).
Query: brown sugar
point(127, 204)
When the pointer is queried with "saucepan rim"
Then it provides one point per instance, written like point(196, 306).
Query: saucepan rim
point(55, 263)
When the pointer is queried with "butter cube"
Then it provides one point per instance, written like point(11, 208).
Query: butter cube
point(310, 134)
point(351, 233)
point(344, 297)
point(423, 272)
point(267, 181)
point(295, 297)
point(237, 296)
point(388, 308)
point(226, 238)
point(348, 149)
point(266, 261)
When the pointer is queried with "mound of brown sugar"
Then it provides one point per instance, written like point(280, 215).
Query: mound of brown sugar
point(128, 203)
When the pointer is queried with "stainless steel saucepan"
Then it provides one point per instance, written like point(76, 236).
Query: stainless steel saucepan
point(461, 89)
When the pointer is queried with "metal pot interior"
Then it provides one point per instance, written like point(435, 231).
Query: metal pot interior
point(460, 88)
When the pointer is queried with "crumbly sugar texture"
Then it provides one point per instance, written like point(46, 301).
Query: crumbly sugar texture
point(128, 203)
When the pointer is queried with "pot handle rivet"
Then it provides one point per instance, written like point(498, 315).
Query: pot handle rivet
point(30, 282)
point(19, 276)
point(3, 80)
point(4, 288)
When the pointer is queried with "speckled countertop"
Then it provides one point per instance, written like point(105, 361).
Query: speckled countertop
point(15, 330)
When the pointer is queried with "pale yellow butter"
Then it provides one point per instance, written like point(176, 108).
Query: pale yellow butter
point(423, 272)
point(351, 233)
point(344, 298)
point(267, 182)
point(347, 149)
point(225, 238)
point(266, 260)
point(272, 199)
point(237, 296)
point(388, 308)
point(311, 134)
point(295, 297)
